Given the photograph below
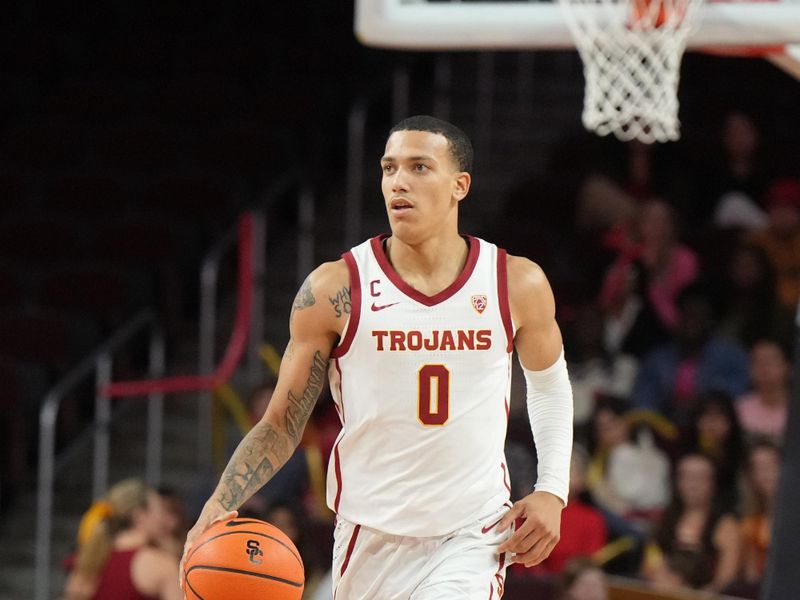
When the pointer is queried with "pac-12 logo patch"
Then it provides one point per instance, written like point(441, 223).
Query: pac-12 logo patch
point(479, 302)
point(254, 551)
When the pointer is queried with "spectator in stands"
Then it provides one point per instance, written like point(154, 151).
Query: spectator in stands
point(176, 523)
point(583, 528)
point(763, 471)
point(714, 431)
point(668, 265)
point(697, 543)
point(631, 325)
point(594, 369)
point(622, 178)
point(697, 360)
point(781, 239)
point(763, 411)
point(583, 580)
point(119, 558)
point(749, 303)
point(736, 212)
point(737, 167)
point(628, 476)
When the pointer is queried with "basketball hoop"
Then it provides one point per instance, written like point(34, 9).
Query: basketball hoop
point(631, 52)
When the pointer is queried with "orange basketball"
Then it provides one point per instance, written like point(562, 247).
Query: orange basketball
point(243, 559)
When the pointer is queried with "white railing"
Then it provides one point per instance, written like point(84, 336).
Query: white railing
point(100, 364)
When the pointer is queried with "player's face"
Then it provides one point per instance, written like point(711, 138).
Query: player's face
point(421, 184)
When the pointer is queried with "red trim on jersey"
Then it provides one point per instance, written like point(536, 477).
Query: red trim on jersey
point(350, 547)
point(394, 277)
point(499, 575)
point(339, 407)
point(502, 292)
point(355, 307)
point(338, 470)
point(505, 477)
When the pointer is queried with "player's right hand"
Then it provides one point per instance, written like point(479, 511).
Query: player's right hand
point(205, 521)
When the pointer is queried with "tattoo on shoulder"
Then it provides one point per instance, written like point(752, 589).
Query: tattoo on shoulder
point(341, 301)
point(300, 407)
point(304, 297)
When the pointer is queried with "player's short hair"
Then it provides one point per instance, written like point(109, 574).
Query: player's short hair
point(459, 142)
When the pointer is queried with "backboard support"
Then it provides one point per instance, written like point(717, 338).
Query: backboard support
point(631, 72)
point(520, 25)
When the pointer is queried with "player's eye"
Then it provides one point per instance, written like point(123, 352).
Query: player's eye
point(388, 168)
point(420, 167)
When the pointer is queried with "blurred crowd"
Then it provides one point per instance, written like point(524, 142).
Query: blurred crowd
point(680, 351)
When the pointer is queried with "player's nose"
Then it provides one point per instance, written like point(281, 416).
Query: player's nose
point(399, 181)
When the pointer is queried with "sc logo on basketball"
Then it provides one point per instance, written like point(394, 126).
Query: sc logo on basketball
point(254, 551)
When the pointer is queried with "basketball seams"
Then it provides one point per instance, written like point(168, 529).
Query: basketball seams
point(219, 572)
point(239, 572)
point(238, 531)
point(191, 587)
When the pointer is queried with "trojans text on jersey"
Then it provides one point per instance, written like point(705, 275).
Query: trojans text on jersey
point(395, 340)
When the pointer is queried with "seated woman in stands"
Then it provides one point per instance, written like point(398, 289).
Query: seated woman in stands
point(697, 543)
point(763, 470)
point(119, 558)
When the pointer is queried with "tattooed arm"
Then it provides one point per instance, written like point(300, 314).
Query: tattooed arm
point(319, 313)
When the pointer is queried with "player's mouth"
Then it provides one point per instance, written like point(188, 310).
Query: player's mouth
point(400, 206)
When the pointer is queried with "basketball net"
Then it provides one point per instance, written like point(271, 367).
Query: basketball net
point(631, 52)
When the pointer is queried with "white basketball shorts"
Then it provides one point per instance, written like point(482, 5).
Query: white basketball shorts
point(463, 565)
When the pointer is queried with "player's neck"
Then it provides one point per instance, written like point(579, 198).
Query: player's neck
point(429, 266)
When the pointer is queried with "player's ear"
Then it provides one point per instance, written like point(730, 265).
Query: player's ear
point(461, 182)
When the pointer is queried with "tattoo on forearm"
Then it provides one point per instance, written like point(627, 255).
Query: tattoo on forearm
point(300, 408)
point(341, 302)
point(262, 452)
point(304, 298)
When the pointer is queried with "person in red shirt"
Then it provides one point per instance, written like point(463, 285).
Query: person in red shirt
point(117, 559)
point(583, 528)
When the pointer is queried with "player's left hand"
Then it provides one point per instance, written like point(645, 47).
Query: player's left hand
point(540, 531)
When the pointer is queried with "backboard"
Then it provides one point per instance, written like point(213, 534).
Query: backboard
point(525, 24)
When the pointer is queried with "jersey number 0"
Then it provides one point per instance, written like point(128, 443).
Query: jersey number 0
point(434, 401)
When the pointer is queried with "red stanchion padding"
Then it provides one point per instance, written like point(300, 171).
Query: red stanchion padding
point(236, 344)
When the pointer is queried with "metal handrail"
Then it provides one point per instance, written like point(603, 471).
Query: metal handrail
point(209, 277)
point(99, 362)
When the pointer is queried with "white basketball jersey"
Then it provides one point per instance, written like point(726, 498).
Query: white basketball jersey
point(422, 387)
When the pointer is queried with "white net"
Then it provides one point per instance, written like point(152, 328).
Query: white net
point(631, 52)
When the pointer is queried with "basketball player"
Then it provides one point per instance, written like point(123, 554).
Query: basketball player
point(415, 332)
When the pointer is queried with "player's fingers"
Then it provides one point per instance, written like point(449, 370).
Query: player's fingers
point(540, 551)
point(226, 517)
point(521, 541)
point(508, 519)
point(194, 532)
